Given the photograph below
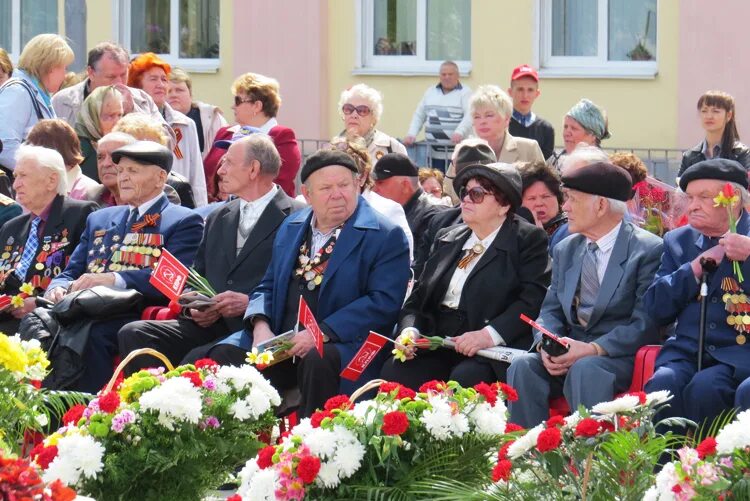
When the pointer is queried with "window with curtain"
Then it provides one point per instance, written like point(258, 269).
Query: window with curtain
point(34, 17)
point(415, 34)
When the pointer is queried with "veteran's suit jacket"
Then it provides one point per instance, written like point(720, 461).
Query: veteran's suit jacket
point(510, 278)
point(673, 296)
point(363, 286)
point(180, 228)
point(62, 231)
point(619, 322)
point(217, 259)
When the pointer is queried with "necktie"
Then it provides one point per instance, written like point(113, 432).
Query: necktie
point(131, 220)
point(29, 250)
point(246, 223)
point(589, 285)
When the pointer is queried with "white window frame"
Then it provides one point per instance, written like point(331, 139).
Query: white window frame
point(14, 51)
point(591, 67)
point(121, 28)
point(366, 63)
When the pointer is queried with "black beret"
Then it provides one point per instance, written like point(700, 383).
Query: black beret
point(146, 153)
point(721, 169)
point(324, 158)
point(394, 164)
point(600, 178)
point(505, 177)
point(471, 155)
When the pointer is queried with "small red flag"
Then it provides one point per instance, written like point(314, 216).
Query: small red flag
point(537, 326)
point(306, 318)
point(4, 301)
point(372, 345)
point(169, 275)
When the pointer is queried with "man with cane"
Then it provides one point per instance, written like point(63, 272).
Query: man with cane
point(703, 381)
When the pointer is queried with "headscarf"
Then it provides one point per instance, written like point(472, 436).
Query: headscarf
point(591, 118)
point(87, 121)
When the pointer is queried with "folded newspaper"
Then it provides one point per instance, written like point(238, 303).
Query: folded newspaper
point(278, 346)
point(499, 353)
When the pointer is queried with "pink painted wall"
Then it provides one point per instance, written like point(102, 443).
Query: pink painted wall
point(713, 55)
point(288, 41)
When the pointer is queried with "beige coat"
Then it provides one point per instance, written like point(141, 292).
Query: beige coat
point(212, 120)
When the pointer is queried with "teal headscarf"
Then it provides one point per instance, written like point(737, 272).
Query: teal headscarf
point(591, 118)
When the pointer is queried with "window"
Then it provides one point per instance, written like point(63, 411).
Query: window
point(20, 21)
point(413, 36)
point(184, 32)
point(598, 38)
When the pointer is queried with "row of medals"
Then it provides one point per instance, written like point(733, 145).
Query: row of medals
point(307, 269)
point(138, 251)
point(736, 304)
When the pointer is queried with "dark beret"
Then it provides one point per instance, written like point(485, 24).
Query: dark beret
point(505, 177)
point(472, 155)
point(721, 169)
point(601, 178)
point(146, 153)
point(324, 158)
point(394, 164)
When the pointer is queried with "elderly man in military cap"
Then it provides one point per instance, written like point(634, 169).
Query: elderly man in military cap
point(674, 296)
point(349, 263)
point(121, 244)
point(594, 303)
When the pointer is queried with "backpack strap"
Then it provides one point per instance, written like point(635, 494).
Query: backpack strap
point(31, 91)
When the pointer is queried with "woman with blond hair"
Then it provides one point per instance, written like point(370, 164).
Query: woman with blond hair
point(26, 97)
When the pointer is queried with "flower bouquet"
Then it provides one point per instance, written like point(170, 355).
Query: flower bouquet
point(658, 207)
point(20, 480)
point(729, 199)
point(161, 435)
point(381, 448)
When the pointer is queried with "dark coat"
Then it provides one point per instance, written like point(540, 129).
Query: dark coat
point(740, 153)
point(419, 213)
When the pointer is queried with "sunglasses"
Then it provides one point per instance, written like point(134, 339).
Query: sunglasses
point(362, 110)
point(476, 194)
point(238, 100)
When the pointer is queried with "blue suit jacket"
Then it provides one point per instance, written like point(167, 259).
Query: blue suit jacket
point(674, 297)
point(363, 286)
point(619, 322)
point(181, 228)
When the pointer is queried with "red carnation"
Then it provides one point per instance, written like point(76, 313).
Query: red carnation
point(555, 421)
point(234, 497)
point(511, 427)
point(205, 363)
point(265, 457)
point(548, 440)
point(61, 492)
point(318, 417)
point(338, 402)
point(511, 395)
point(74, 414)
point(194, 378)
point(45, 456)
point(488, 392)
point(606, 426)
point(109, 402)
point(501, 471)
point(641, 396)
point(395, 423)
point(503, 452)
point(587, 427)
point(706, 448)
point(433, 386)
point(403, 391)
point(308, 469)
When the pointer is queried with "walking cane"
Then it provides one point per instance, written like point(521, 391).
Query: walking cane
point(708, 265)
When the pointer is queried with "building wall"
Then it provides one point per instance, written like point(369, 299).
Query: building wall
point(642, 113)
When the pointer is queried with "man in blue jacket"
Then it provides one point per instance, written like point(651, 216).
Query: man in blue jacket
point(674, 296)
point(121, 244)
point(351, 266)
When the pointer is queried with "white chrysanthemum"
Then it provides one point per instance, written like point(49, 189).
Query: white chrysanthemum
point(328, 476)
point(177, 399)
point(240, 409)
point(735, 435)
point(322, 443)
point(572, 421)
point(366, 410)
point(658, 397)
point(247, 473)
point(625, 403)
point(440, 421)
point(349, 452)
point(665, 480)
point(489, 420)
point(257, 484)
point(77, 456)
point(525, 443)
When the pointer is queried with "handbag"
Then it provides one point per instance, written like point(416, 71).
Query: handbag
point(97, 303)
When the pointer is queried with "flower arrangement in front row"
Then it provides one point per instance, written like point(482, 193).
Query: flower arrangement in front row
point(20, 480)
point(161, 435)
point(382, 448)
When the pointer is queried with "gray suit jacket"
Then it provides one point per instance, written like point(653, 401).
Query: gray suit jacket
point(619, 323)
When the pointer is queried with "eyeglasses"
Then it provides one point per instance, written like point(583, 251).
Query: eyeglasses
point(238, 100)
point(361, 110)
point(476, 194)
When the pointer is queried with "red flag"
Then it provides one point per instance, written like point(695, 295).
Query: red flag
point(169, 275)
point(372, 345)
point(306, 318)
point(537, 326)
point(4, 301)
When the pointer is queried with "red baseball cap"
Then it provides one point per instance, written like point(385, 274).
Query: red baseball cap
point(524, 71)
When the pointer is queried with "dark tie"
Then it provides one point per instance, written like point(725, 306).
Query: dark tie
point(29, 250)
point(131, 220)
point(589, 285)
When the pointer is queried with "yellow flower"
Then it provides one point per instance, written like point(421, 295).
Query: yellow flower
point(27, 288)
point(265, 358)
point(399, 355)
point(16, 301)
point(52, 439)
point(255, 358)
point(727, 197)
point(12, 355)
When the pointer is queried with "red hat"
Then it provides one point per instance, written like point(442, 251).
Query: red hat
point(524, 71)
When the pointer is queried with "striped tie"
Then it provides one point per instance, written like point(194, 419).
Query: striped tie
point(29, 250)
point(589, 285)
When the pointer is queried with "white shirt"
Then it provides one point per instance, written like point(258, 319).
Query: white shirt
point(604, 250)
point(270, 124)
point(250, 212)
point(142, 209)
point(452, 296)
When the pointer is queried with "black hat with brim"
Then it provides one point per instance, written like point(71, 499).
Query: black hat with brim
point(504, 176)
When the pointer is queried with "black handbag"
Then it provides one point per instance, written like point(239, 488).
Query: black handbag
point(97, 303)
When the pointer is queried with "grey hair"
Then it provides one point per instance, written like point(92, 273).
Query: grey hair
point(471, 141)
point(493, 97)
point(47, 158)
point(372, 96)
point(260, 147)
point(744, 195)
point(583, 155)
point(616, 206)
point(117, 137)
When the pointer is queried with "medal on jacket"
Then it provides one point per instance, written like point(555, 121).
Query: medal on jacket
point(472, 253)
point(311, 270)
point(736, 304)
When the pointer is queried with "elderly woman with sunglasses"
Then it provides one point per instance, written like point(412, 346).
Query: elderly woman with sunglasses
point(361, 107)
point(256, 103)
point(482, 275)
